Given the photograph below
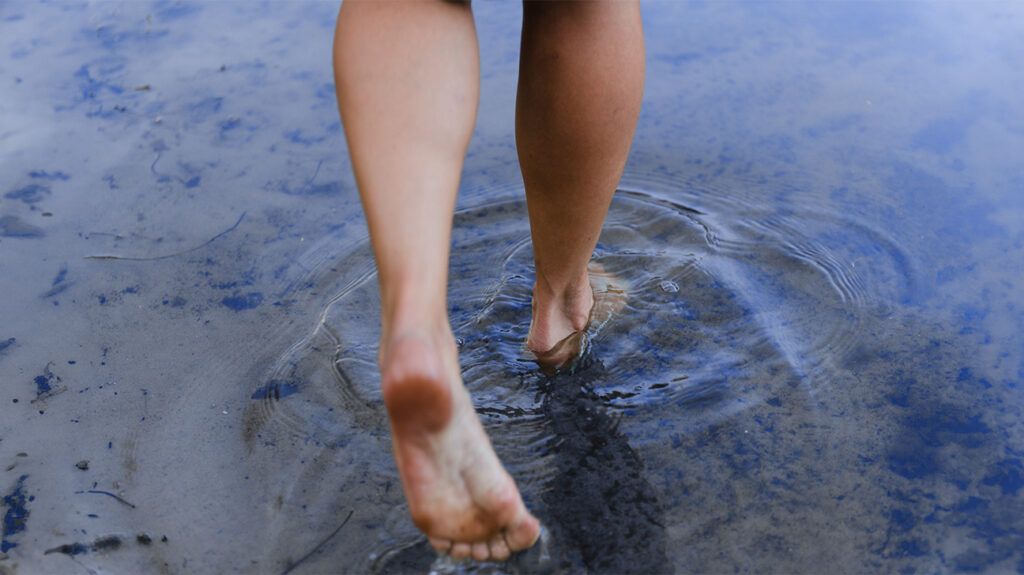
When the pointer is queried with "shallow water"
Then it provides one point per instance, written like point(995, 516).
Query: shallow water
point(820, 237)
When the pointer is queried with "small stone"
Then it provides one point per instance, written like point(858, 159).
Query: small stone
point(143, 539)
point(83, 464)
point(108, 542)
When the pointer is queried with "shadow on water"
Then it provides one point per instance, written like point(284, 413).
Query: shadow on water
point(603, 514)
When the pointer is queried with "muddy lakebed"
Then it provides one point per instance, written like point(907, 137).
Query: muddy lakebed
point(819, 363)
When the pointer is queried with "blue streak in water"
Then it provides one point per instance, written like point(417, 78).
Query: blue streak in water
point(49, 176)
point(16, 515)
point(239, 302)
point(276, 390)
point(30, 194)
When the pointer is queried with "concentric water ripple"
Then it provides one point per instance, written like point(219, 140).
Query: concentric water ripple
point(714, 287)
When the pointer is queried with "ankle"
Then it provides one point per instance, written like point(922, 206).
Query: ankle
point(559, 286)
point(417, 320)
point(569, 300)
point(412, 311)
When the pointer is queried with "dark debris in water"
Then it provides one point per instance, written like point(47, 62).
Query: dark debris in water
point(109, 494)
point(108, 542)
point(232, 228)
point(47, 384)
point(15, 515)
point(293, 565)
point(101, 544)
point(69, 549)
point(105, 543)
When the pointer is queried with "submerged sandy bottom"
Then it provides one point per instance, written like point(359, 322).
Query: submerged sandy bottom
point(819, 362)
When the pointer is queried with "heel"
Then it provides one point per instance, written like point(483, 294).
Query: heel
point(415, 392)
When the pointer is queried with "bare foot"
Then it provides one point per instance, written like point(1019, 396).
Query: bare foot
point(559, 322)
point(458, 492)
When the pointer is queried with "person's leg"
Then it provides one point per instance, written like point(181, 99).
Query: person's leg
point(581, 77)
point(407, 77)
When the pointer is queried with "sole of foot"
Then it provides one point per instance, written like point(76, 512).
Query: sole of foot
point(459, 493)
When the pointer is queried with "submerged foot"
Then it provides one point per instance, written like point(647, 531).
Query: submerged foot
point(559, 321)
point(459, 494)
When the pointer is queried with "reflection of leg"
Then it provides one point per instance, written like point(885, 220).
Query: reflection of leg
point(580, 85)
point(407, 77)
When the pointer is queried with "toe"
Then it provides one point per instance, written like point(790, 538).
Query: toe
point(481, 552)
point(499, 549)
point(523, 533)
point(441, 545)
point(460, 550)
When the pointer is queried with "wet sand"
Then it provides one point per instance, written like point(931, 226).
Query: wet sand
point(819, 363)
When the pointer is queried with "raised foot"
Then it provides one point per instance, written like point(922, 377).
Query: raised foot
point(459, 494)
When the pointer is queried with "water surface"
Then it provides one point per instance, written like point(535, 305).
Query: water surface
point(820, 236)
